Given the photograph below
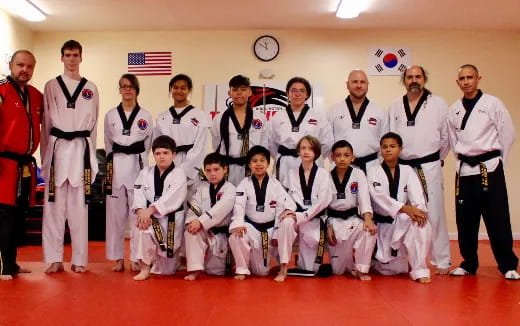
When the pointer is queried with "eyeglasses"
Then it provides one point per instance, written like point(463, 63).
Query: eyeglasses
point(127, 87)
point(297, 90)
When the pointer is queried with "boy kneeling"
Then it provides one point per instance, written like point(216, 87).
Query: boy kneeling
point(159, 194)
point(261, 201)
point(404, 233)
point(208, 219)
point(346, 230)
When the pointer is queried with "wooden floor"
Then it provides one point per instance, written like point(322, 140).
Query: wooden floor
point(101, 297)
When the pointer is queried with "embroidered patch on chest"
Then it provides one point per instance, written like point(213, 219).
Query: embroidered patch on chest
point(354, 188)
point(372, 121)
point(142, 124)
point(257, 124)
point(87, 94)
point(313, 122)
point(195, 122)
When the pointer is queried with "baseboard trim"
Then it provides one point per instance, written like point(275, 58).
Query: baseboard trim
point(481, 236)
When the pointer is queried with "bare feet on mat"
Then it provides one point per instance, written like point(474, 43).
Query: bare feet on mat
point(144, 274)
point(240, 277)
point(55, 268)
point(6, 277)
point(119, 266)
point(22, 270)
point(282, 274)
point(442, 271)
point(361, 276)
point(424, 280)
point(78, 269)
point(135, 267)
point(192, 276)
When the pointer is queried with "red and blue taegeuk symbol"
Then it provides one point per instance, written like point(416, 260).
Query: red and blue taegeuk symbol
point(87, 94)
point(390, 60)
point(142, 124)
point(354, 187)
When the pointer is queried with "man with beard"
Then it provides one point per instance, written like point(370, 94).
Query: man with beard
point(20, 106)
point(359, 121)
point(419, 117)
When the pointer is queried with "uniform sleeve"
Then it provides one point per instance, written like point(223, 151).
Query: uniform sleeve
point(215, 132)
point(391, 119)
point(173, 197)
point(158, 129)
point(216, 214)
point(323, 201)
point(505, 128)
point(451, 129)
point(266, 133)
point(415, 192)
point(364, 203)
point(385, 123)
point(196, 202)
point(387, 204)
point(148, 140)
point(48, 103)
point(93, 132)
point(284, 201)
point(107, 135)
point(195, 155)
point(273, 137)
point(326, 137)
point(444, 137)
point(239, 210)
point(139, 197)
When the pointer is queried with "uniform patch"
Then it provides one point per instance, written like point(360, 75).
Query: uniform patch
point(87, 94)
point(372, 121)
point(313, 122)
point(354, 188)
point(142, 124)
point(240, 193)
point(219, 195)
point(376, 184)
point(272, 204)
point(195, 122)
point(257, 124)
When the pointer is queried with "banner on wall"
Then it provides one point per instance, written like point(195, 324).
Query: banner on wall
point(389, 61)
point(150, 63)
point(268, 98)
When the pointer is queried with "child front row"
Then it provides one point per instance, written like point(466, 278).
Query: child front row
point(260, 220)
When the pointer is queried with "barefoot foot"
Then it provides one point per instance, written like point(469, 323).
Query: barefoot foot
point(424, 280)
point(144, 274)
point(362, 276)
point(6, 277)
point(55, 268)
point(240, 277)
point(280, 277)
point(135, 267)
point(192, 276)
point(119, 266)
point(78, 269)
point(442, 271)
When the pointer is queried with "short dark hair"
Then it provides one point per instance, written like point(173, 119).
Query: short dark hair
point(71, 45)
point(239, 80)
point(424, 73)
point(178, 77)
point(392, 135)
point(302, 80)
point(315, 145)
point(134, 82)
point(258, 150)
point(215, 158)
point(342, 144)
point(469, 65)
point(21, 51)
point(164, 141)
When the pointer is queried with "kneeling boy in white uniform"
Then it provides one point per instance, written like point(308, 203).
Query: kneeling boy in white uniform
point(261, 201)
point(404, 233)
point(207, 221)
point(347, 231)
point(159, 194)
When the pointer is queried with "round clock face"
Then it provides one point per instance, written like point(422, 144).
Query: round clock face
point(266, 48)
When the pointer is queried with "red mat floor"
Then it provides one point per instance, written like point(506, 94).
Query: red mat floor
point(101, 297)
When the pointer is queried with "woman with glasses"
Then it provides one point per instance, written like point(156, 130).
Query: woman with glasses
point(128, 138)
point(290, 125)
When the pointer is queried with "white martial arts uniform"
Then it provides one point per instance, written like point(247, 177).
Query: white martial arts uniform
point(170, 202)
point(258, 135)
point(212, 207)
point(126, 168)
point(310, 215)
point(428, 134)
point(363, 131)
point(411, 241)
point(349, 195)
point(69, 203)
point(283, 133)
point(248, 251)
point(190, 132)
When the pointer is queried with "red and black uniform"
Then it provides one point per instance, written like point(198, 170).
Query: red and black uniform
point(19, 139)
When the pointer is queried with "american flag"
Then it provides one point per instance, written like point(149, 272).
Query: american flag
point(150, 63)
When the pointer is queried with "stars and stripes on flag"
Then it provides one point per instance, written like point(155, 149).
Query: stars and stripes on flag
point(389, 61)
point(150, 63)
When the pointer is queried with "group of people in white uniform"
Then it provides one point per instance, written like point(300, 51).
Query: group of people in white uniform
point(379, 208)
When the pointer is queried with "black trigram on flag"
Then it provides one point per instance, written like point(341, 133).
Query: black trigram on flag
point(378, 53)
point(402, 68)
point(389, 61)
point(378, 67)
point(401, 53)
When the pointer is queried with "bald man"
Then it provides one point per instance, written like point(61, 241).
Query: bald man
point(20, 106)
point(481, 134)
point(419, 117)
point(359, 121)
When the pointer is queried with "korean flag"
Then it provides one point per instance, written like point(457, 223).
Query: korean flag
point(388, 61)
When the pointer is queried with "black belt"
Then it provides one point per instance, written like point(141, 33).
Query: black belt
point(323, 230)
point(262, 227)
point(284, 151)
point(383, 219)
point(474, 161)
point(342, 214)
point(236, 160)
point(417, 162)
point(135, 148)
point(362, 161)
point(22, 159)
point(183, 148)
point(70, 135)
point(170, 232)
point(220, 230)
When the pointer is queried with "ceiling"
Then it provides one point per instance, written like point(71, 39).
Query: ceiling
point(118, 15)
